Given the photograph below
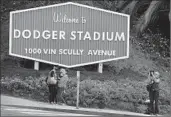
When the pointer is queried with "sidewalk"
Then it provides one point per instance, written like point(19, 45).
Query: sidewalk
point(13, 101)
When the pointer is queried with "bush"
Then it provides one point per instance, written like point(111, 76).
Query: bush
point(125, 94)
point(29, 87)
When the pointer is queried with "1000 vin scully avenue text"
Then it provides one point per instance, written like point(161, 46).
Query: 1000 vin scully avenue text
point(76, 52)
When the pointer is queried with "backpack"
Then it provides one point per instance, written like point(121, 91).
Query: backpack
point(51, 80)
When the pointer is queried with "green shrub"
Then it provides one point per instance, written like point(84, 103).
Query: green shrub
point(125, 94)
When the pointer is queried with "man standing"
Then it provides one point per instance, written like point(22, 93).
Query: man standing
point(155, 93)
point(153, 89)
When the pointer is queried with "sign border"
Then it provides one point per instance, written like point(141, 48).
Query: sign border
point(61, 4)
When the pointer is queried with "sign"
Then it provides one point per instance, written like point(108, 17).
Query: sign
point(69, 34)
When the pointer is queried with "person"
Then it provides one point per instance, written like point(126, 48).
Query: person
point(51, 81)
point(148, 83)
point(153, 89)
point(62, 84)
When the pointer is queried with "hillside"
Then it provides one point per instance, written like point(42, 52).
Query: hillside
point(122, 82)
point(120, 86)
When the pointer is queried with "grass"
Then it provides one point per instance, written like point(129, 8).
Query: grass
point(120, 94)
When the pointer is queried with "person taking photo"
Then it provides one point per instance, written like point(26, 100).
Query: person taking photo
point(153, 89)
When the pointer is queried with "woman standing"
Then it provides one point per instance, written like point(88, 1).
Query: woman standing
point(52, 85)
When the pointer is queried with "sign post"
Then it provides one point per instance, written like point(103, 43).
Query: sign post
point(36, 65)
point(78, 88)
point(100, 67)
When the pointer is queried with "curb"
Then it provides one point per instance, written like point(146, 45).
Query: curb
point(70, 109)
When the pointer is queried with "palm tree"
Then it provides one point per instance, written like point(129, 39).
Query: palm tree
point(150, 16)
point(143, 13)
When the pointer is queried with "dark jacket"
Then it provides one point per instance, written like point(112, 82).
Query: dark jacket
point(155, 86)
point(152, 84)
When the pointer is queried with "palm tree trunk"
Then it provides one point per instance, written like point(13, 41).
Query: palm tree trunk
point(122, 4)
point(129, 10)
point(130, 7)
point(170, 15)
point(145, 20)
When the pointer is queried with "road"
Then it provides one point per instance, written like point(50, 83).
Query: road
point(12, 106)
point(24, 111)
point(19, 111)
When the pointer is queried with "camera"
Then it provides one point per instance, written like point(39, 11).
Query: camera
point(151, 73)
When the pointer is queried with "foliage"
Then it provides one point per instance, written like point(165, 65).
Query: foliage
point(122, 94)
point(28, 87)
point(156, 44)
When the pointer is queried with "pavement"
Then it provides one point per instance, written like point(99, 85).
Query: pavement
point(18, 106)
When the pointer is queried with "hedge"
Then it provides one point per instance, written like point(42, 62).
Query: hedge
point(123, 94)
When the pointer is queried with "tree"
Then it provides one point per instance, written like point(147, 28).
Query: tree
point(150, 16)
point(143, 13)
